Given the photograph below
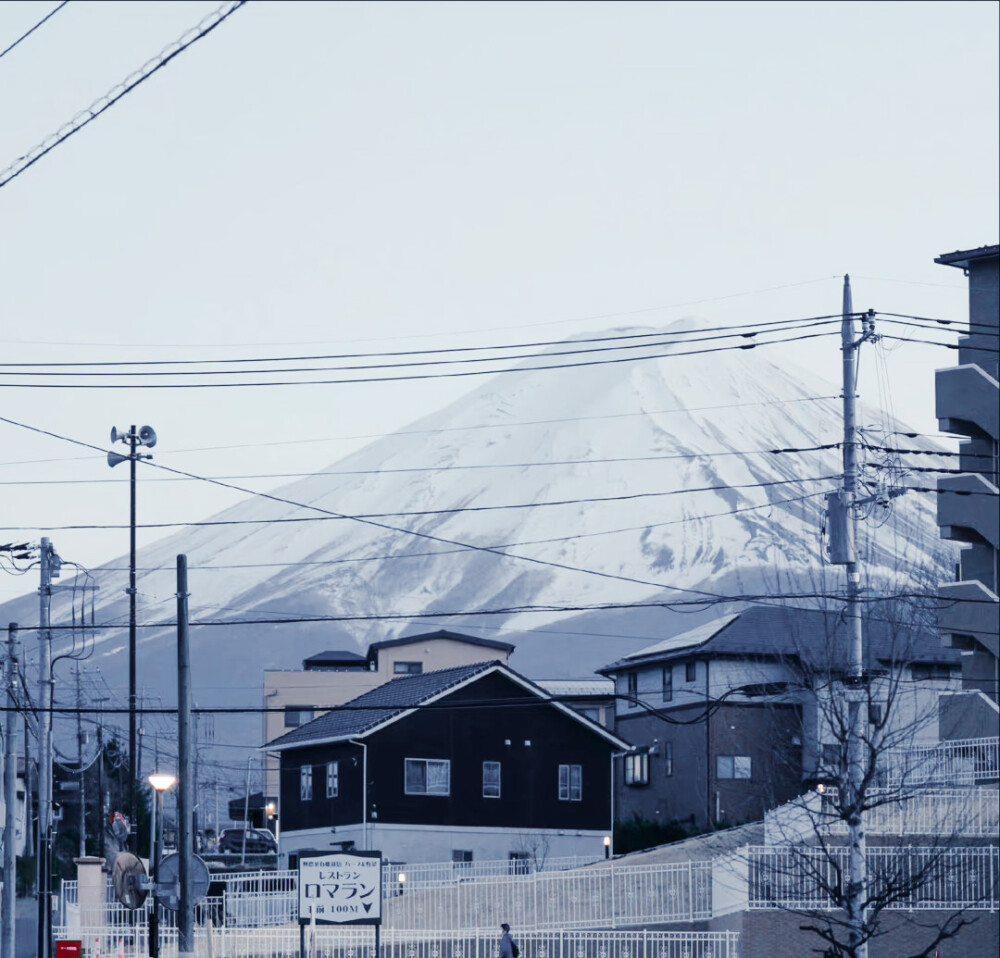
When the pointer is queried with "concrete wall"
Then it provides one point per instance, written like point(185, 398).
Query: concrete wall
point(406, 843)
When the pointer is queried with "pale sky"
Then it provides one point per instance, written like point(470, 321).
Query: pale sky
point(331, 177)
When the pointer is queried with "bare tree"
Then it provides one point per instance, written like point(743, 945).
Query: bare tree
point(923, 839)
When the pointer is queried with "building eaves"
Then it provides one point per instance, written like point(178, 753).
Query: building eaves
point(961, 258)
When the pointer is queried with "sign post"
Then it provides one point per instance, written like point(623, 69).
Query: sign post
point(342, 888)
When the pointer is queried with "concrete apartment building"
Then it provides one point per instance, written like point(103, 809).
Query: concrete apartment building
point(294, 697)
point(968, 405)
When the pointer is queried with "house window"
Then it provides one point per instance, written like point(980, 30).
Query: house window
point(690, 671)
point(593, 714)
point(570, 783)
point(732, 766)
point(875, 714)
point(831, 756)
point(633, 689)
point(491, 779)
point(332, 779)
point(427, 776)
point(668, 683)
point(306, 783)
point(407, 668)
point(461, 856)
point(296, 715)
point(668, 758)
point(637, 768)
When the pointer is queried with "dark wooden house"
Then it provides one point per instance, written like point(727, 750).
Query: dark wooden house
point(466, 763)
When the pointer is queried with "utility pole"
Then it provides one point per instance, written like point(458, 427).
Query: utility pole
point(79, 765)
point(145, 436)
point(9, 796)
point(49, 564)
point(842, 525)
point(185, 794)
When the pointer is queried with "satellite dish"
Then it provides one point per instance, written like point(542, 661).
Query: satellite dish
point(167, 889)
point(147, 436)
point(115, 436)
point(114, 458)
point(128, 877)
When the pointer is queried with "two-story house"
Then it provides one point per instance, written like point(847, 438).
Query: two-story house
point(737, 715)
point(465, 763)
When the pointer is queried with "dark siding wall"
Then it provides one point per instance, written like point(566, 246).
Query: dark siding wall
point(466, 736)
point(768, 734)
point(677, 797)
point(765, 733)
point(321, 812)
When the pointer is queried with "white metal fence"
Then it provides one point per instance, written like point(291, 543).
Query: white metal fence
point(968, 761)
point(606, 895)
point(358, 942)
point(942, 812)
point(911, 877)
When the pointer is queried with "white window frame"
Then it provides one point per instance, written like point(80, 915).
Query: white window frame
point(427, 764)
point(332, 779)
point(306, 783)
point(570, 783)
point(491, 788)
point(637, 768)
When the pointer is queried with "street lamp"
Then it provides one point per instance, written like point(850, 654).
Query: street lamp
point(145, 436)
point(161, 782)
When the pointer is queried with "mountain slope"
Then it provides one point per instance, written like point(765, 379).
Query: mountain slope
point(458, 513)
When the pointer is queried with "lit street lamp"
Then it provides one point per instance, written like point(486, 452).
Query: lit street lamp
point(161, 782)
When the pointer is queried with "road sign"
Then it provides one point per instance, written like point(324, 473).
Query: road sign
point(341, 888)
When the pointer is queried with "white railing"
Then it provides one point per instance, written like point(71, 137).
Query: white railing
point(942, 812)
point(968, 761)
point(910, 877)
point(358, 942)
point(606, 895)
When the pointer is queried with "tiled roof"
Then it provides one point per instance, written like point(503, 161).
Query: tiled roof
point(379, 705)
point(580, 687)
point(798, 633)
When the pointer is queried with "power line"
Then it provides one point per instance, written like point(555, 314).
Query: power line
point(726, 332)
point(477, 426)
point(455, 467)
point(455, 510)
point(415, 376)
point(24, 36)
point(206, 26)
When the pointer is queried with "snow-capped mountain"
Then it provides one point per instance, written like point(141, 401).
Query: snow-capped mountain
point(624, 482)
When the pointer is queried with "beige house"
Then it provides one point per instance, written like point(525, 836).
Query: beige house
point(293, 697)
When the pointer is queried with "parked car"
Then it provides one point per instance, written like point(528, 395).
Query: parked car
point(258, 841)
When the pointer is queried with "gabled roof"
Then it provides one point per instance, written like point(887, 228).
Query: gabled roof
point(441, 634)
point(788, 632)
point(396, 699)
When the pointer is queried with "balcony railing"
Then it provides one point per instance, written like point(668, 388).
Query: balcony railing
point(807, 878)
point(970, 761)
